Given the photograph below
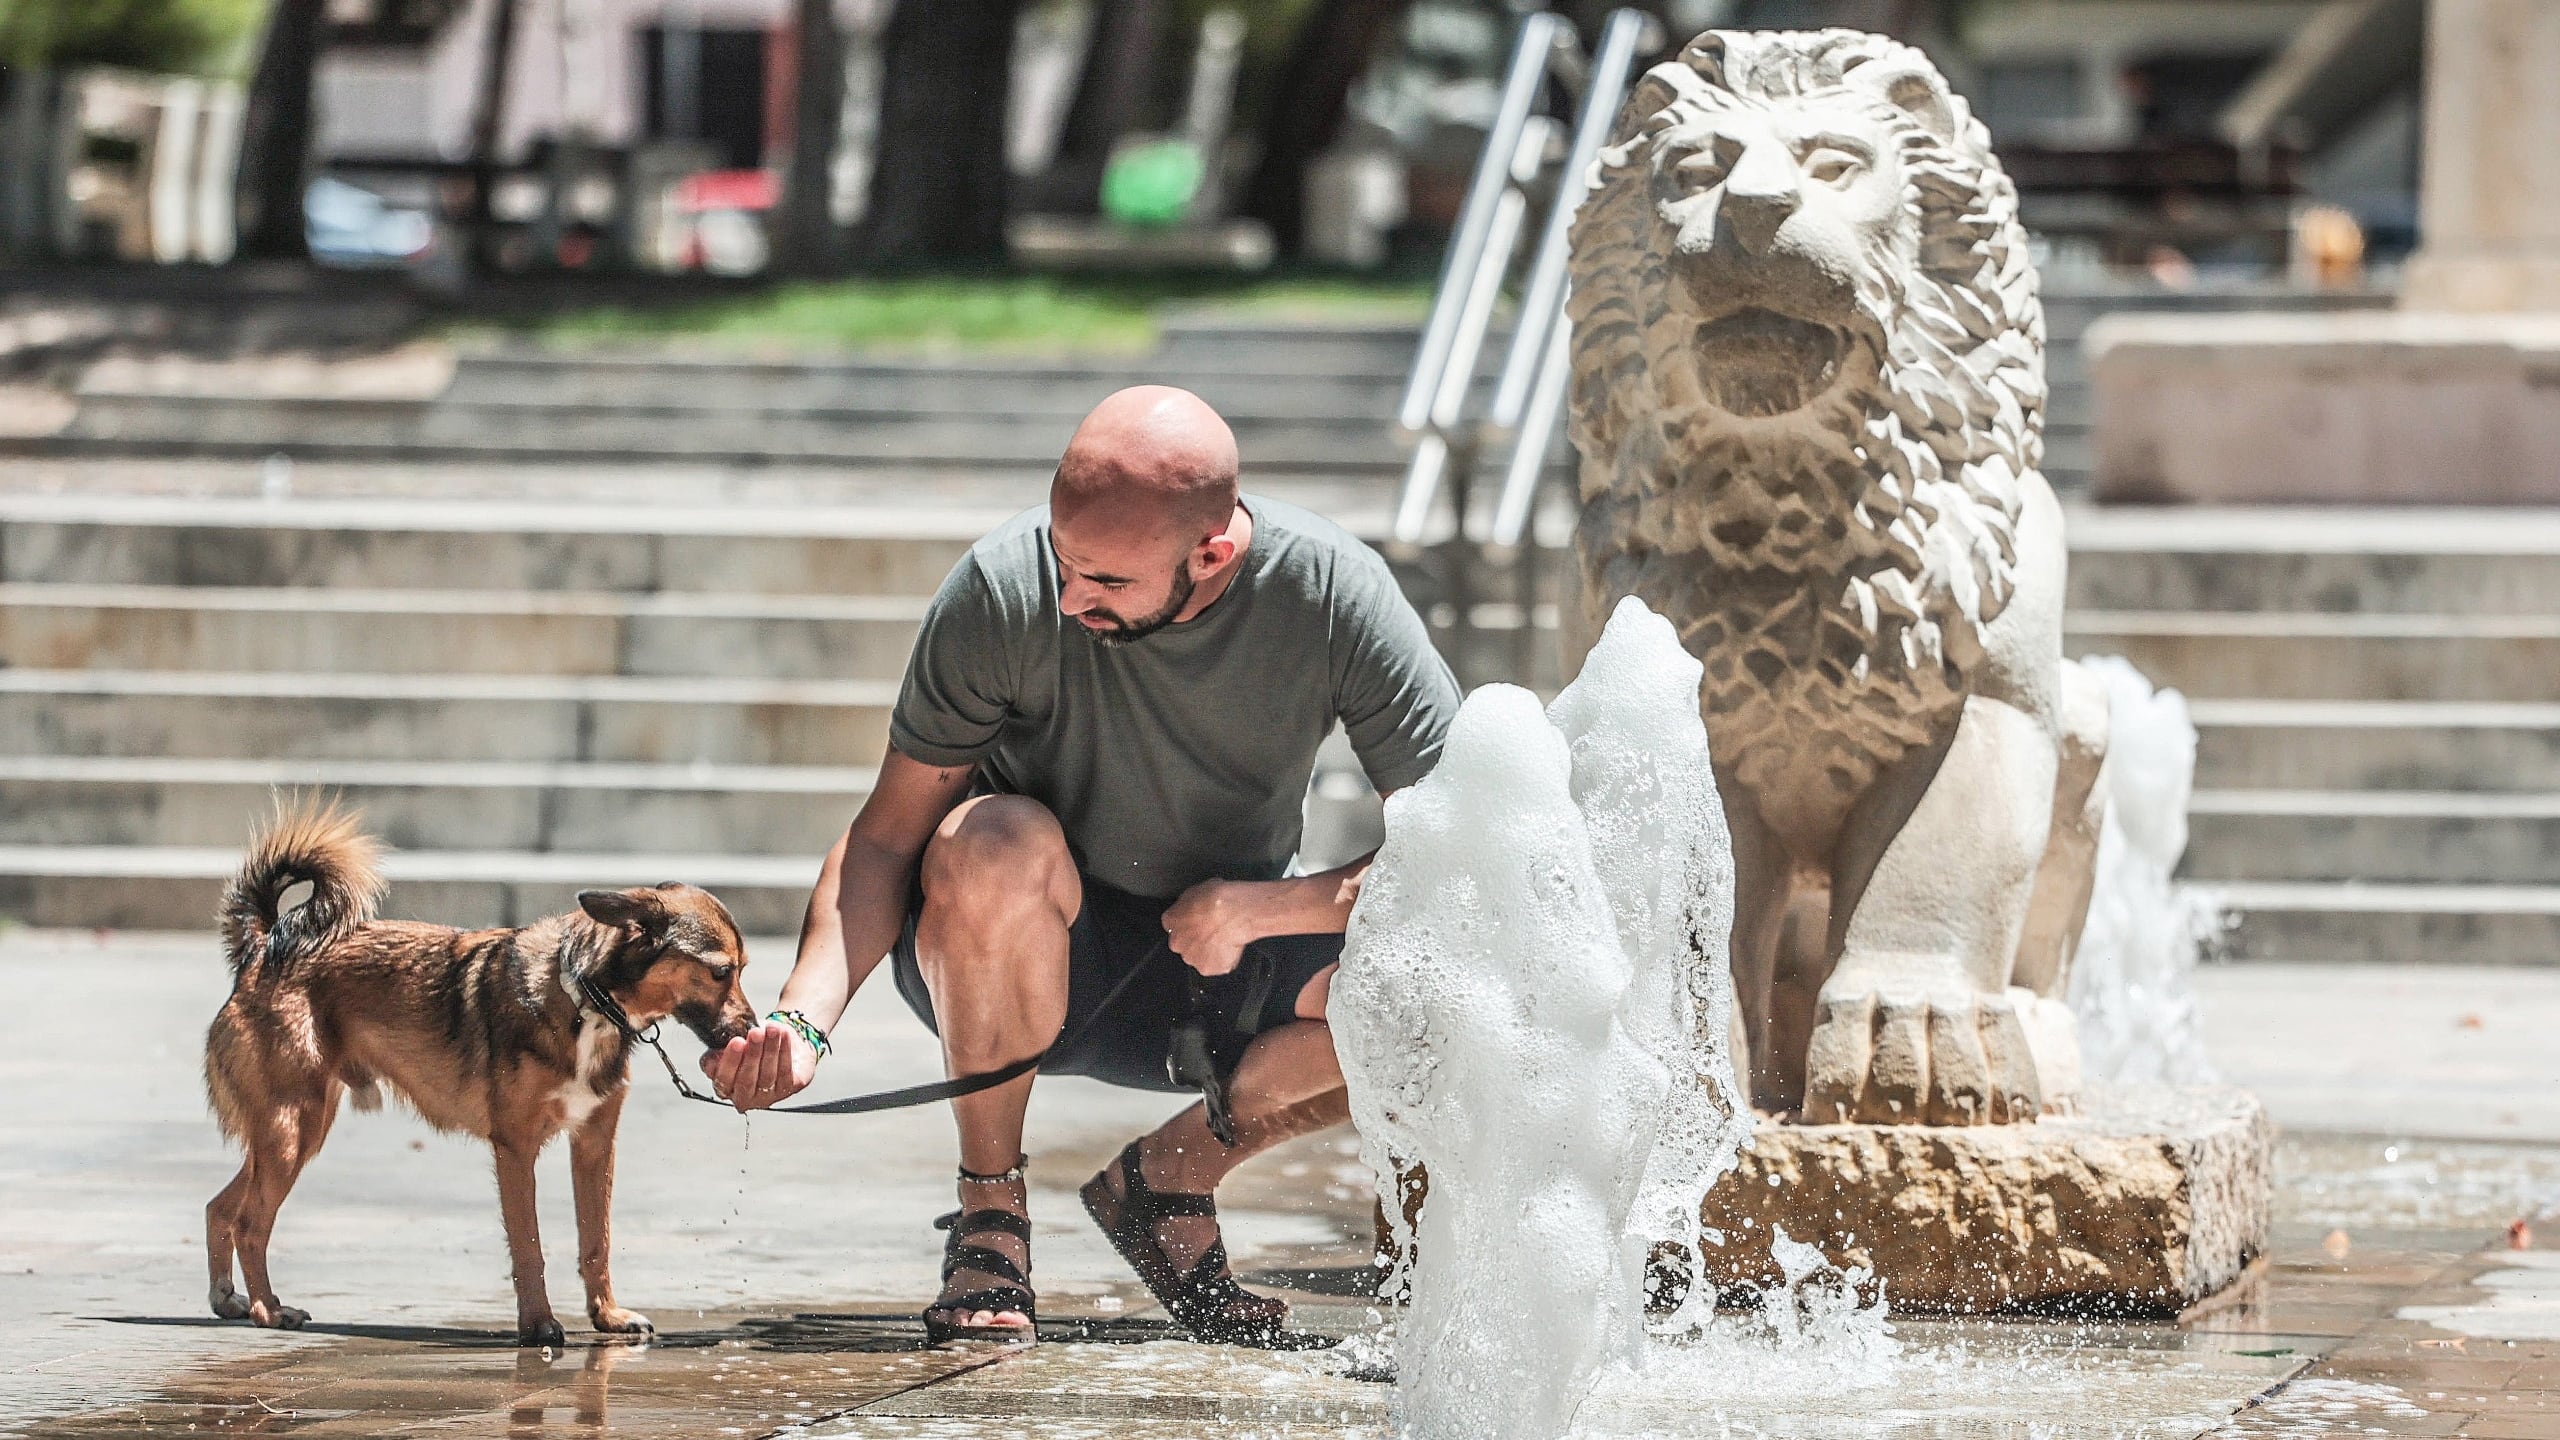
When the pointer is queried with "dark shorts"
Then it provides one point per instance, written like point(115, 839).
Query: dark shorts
point(1116, 931)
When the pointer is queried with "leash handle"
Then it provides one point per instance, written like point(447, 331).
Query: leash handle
point(1189, 1062)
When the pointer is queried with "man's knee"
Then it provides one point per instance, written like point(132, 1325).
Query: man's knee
point(997, 855)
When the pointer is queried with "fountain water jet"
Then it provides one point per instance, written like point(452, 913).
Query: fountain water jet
point(1534, 1007)
point(1476, 1013)
point(2133, 977)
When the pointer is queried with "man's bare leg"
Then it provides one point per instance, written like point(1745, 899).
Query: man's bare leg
point(1288, 1084)
point(1000, 890)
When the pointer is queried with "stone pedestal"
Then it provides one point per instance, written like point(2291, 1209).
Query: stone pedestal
point(2147, 1202)
point(2449, 401)
point(2489, 199)
point(2371, 407)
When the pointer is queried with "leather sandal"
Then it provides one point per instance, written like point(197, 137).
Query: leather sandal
point(1012, 1292)
point(1207, 1301)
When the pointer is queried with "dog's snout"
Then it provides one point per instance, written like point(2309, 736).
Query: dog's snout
point(716, 1027)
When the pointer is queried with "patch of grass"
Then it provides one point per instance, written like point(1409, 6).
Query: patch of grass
point(1404, 302)
point(930, 314)
point(994, 314)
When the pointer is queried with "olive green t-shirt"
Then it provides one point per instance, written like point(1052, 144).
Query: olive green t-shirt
point(1183, 756)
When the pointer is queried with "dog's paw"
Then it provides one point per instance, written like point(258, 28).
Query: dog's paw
point(618, 1321)
point(545, 1332)
point(228, 1304)
point(273, 1314)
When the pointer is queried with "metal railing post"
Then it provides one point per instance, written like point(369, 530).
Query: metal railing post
point(1535, 373)
point(1539, 35)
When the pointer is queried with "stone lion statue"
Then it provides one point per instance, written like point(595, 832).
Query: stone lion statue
point(1808, 396)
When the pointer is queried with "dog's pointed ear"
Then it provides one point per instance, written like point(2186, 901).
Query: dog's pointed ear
point(643, 908)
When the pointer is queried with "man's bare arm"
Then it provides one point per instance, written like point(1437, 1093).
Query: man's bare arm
point(855, 913)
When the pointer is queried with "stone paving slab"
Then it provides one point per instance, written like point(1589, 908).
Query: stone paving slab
point(102, 1186)
point(784, 1264)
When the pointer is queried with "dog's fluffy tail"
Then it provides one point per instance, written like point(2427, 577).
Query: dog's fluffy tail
point(309, 839)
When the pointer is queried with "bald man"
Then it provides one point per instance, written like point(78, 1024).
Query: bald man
point(1095, 774)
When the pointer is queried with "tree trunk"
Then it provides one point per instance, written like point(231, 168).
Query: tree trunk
point(808, 242)
point(1307, 103)
point(1112, 93)
point(939, 191)
point(275, 134)
point(488, 127)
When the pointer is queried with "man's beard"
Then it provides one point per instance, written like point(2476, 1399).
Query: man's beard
point(1123, 632)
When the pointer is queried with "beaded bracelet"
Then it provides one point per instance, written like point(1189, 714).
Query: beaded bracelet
point(816, 1037)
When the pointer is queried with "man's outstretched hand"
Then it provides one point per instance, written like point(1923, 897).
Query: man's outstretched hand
point(765, 1066)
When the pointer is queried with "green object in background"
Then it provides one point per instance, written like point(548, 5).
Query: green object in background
point(1151, 183)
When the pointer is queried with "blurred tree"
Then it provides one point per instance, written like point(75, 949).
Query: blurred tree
point(1271, 29)
point(1113, 93)
point(807, 241)
point(275, 133)
point(169, 36)
point(1304, 112)
point(939, 190)
point(488, 127)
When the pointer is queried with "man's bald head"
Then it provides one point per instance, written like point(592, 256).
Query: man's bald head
point(1154, 455)
point(1143, 516)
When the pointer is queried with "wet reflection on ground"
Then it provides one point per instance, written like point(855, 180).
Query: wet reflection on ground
point(2318, 1344)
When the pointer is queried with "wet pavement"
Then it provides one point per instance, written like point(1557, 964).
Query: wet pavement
point(783, 1262)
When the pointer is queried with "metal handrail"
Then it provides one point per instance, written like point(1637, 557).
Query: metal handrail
point(1531, 391)
point(1433, 411)
point(1540, 34)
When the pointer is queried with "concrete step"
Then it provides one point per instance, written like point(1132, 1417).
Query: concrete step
point(2396, 924)
point(2377, 745)
point(646, 483)
point(532, 807)
point(178, 888)
point(161, 627)
point(425, 544)
point(234, 715)
point(2316, 561)
point(1058, 391)
point(437, 804)
point(471, 527)
point(125, 423)
point(2332, 657)
point(2406, 837)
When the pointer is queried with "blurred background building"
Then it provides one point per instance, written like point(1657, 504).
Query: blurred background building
point(2176, 139)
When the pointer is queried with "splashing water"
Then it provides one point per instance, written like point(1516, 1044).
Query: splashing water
point(1537, 953)
point(1476, 1014)
point(1647, 796)
point(2133, 978)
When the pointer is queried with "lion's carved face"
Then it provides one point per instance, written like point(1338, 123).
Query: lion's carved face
point(1806, 332)
point(1807, 388)
point(1782, 223)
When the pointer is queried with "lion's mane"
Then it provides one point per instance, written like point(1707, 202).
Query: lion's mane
point(1832, 575)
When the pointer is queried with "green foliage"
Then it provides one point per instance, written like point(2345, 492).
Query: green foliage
point(168, 36)
point(997, 314)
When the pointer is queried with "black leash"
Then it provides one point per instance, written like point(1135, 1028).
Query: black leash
point(611, 1009)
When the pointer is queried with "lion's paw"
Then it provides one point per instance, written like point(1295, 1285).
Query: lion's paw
point(1882, 1057)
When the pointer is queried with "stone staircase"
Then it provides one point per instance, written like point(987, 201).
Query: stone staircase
point(584, 668)
point(1307, 405)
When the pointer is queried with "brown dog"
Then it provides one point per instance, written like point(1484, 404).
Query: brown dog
point(484, 1032)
